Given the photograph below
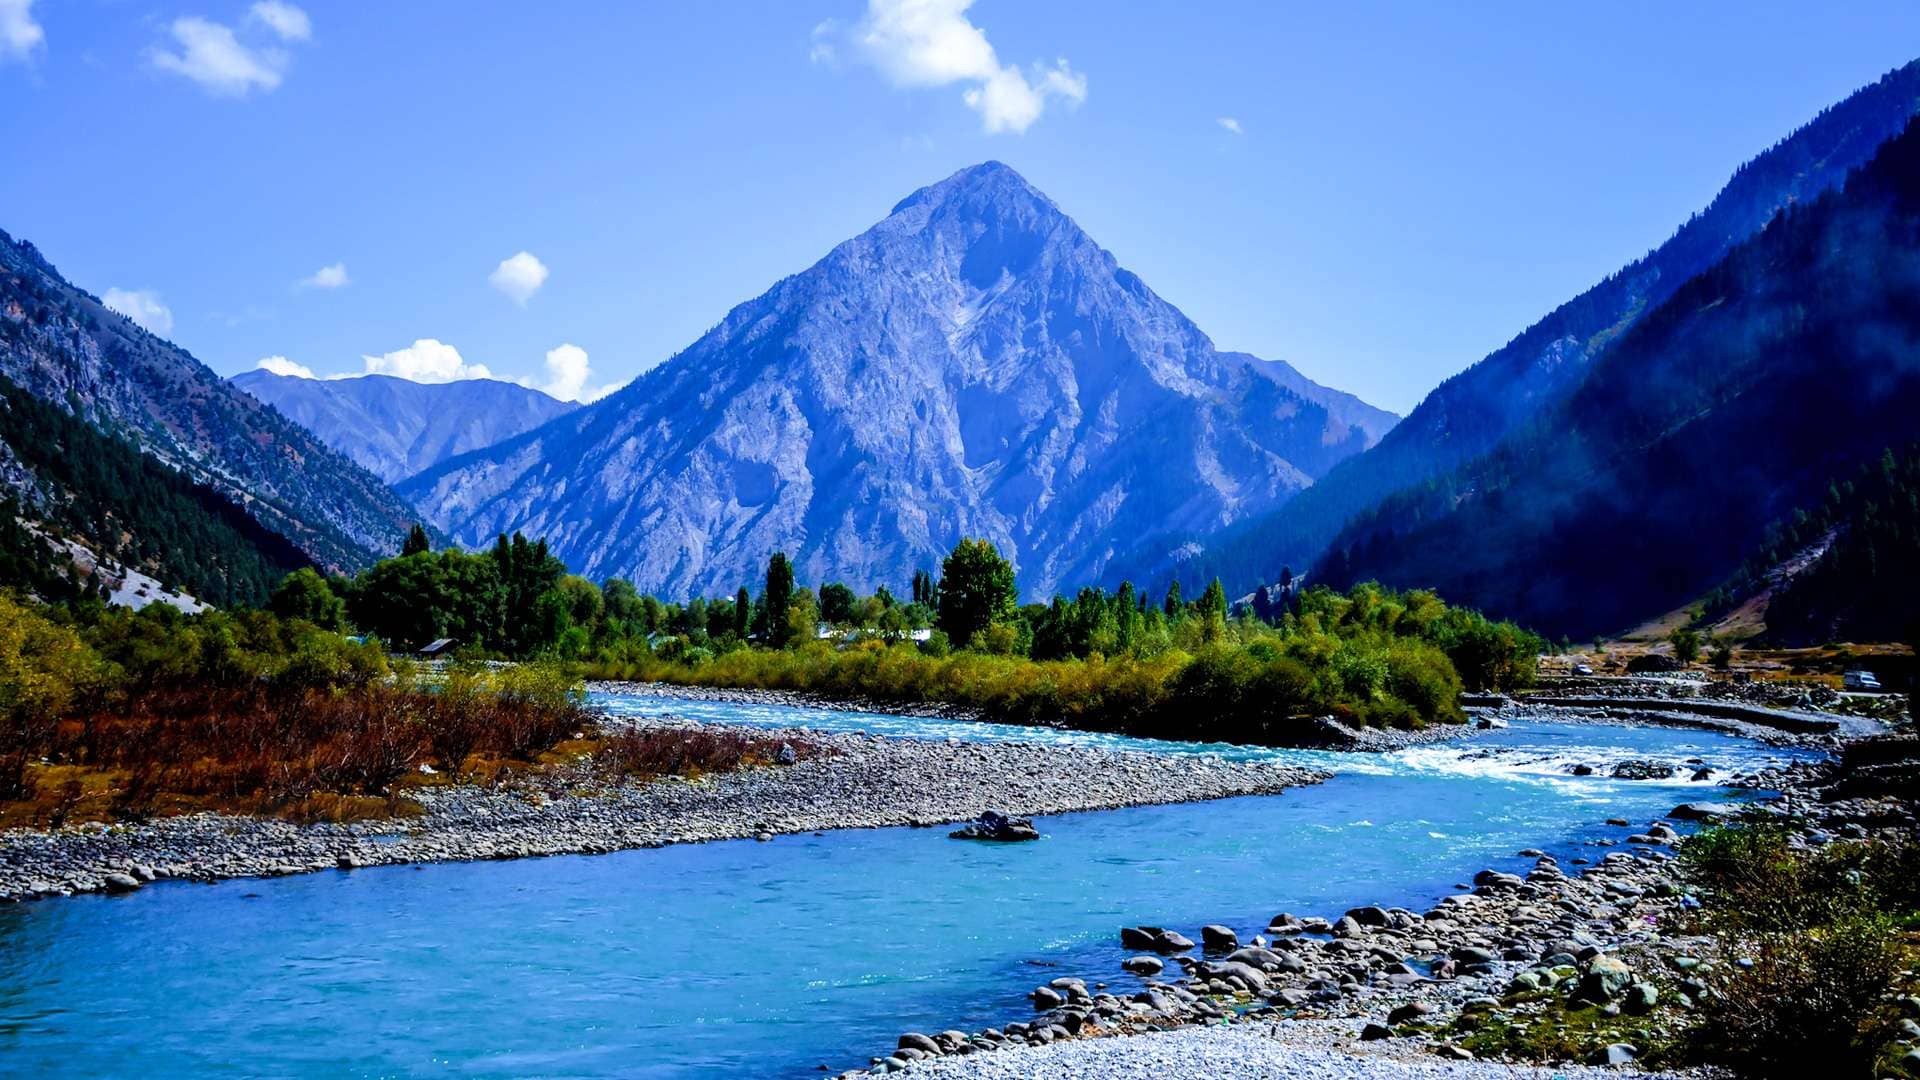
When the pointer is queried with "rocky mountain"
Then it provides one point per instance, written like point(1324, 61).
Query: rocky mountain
point(973, 365)
point(397, 427)
point(1469, 414)
point(61, 344)
point(1793, 360)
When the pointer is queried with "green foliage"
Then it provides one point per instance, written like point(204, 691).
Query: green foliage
point(304, 594)
point(417, 542)
point(1686, 644)
point(1825, 931)
point(777, 601)
point(976, 590)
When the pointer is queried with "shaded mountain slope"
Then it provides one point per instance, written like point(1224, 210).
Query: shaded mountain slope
point(1792, 361)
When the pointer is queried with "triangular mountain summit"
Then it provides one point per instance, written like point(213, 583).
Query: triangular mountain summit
point(973, 365)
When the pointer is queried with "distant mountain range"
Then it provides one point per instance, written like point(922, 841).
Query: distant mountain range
point(1790, 362)
point(62, 345)
point(973, 365)
point(397, 427)
point(1471, 413)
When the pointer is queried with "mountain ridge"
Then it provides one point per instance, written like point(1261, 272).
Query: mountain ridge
point(972, 364)
point(396, 427)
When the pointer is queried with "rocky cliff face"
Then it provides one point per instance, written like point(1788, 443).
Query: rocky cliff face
point(62, 345)
point(973, 365)
point(396, 427)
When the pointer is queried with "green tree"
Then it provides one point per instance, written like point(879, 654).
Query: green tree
point(836, 603)
point(1686, 644)
point(777, 598)
point(416, 542)
point(976, 590)
point(742, 613)
point(1173, 605)
point(304, 594)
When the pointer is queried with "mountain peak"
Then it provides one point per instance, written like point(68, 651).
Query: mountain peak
point(987, 182)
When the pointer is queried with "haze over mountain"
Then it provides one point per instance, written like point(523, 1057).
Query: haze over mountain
point(1469, 414)
point(1778, 371)
point(397, 427)
point(63, 345)
point(973, 365)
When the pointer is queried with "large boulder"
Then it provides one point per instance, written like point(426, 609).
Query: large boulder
point(1605, 979)
point(997, 827)
point(1217, 938)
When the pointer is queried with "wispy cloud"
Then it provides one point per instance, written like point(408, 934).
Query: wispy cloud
point(283, 19)
point(143, 306)
point(19, 33)
point(932, 43)
point(213, 55)
point(327, 277)
point(519, 276)
point(1231, 124)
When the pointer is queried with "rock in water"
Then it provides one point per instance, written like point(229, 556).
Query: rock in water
point(1637, 769)
point(1217, 938)
point(998, 827)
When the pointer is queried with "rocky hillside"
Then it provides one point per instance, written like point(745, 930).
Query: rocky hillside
point(61, 344)
point(397, 427)
point(1469, 414)
point(973, 365)
point(1794, 360)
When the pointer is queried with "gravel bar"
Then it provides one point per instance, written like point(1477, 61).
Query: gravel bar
point(1301, 1050)
point(869, 782)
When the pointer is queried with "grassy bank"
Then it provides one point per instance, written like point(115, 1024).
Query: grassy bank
point(113, 715)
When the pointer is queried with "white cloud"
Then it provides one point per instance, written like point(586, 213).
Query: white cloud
point(143, 306)
point(1231, 124)
point(283, 19)
point(567, 375)
point(926, 43)
point(19, 34)
point(211, 56)
point(519, 277)
point(427, 361)
point(327, 277)
point(280, 365)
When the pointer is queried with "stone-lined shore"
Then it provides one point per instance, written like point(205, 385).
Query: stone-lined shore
point(861, 782)
point(1326, 996)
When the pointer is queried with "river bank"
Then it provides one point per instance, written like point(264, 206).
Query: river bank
point(1477, 969)
point(858, 782)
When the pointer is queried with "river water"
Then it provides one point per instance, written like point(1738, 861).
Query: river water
point(771, 959)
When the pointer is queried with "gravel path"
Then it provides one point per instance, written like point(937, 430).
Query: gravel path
point(870, 782)
point(1268, 1051)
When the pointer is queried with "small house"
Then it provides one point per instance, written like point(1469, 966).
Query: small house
point(437, 649)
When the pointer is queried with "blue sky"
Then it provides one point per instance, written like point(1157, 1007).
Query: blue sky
point(1402, 187)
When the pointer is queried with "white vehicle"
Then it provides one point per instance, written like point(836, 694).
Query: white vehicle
point(1583, 669)
point(1860, 680)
